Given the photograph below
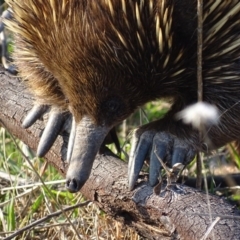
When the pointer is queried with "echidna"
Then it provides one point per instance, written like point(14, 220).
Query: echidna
point(102, 59)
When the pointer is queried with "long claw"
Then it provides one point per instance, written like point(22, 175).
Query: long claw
point(161, 145)
point(51, 131)
point(71, 140)
point(140, 149)
point(36, 112)
point(155, 165)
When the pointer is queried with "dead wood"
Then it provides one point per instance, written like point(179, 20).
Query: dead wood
point(172, 215)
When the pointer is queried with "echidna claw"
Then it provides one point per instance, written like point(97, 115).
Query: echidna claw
point(51, 131)
point(141, 145)
point(35, 113)
point(53, 127)
point(163, 145)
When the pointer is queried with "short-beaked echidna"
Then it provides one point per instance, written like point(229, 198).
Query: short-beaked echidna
point(102, 59)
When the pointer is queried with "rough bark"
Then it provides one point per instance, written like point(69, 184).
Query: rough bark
point(172, 215)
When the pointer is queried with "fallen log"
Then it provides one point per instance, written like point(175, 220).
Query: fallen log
point(182, 214)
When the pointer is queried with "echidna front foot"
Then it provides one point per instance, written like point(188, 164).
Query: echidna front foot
point(153, 145)
point(55, 124)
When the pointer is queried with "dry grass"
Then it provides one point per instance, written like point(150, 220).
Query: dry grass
point(22, 205)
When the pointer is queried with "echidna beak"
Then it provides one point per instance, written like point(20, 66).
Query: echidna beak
point(85, 144)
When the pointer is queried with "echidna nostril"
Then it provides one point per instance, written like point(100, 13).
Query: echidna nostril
point(72, 185)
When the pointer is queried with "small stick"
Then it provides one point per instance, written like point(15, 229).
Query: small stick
point(200, 83)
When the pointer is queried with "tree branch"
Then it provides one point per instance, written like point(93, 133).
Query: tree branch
point(171, 215)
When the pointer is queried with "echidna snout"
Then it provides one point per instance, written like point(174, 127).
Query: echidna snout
point(82, 150)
